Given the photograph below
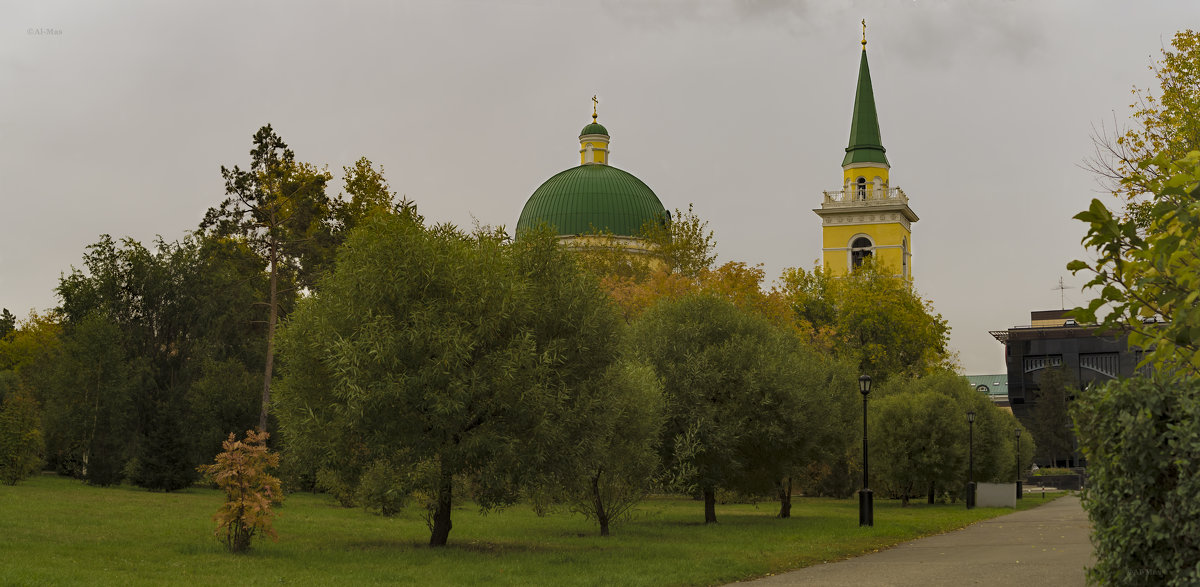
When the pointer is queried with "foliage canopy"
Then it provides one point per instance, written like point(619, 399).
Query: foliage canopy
point(445, 352)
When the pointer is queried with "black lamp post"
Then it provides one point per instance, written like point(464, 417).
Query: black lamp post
point(971, 462)
point(1018, 433)
point(866, 511)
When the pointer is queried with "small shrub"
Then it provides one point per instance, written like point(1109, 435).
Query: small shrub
point(331, 482)
point(731, 496)
point(242, 471)
point(1048, 471)
point(383, 489)
point(544, 497)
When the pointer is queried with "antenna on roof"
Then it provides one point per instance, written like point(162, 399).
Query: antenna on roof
point(1062, 296)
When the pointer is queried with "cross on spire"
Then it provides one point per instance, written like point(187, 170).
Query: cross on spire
point(595, 103)
point(864, 41)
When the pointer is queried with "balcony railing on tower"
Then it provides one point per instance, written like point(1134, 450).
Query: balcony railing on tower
point(852, 195)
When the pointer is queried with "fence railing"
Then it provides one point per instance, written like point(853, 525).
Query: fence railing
point(853, 194)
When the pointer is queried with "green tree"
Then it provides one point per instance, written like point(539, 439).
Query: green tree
point(1141, 435)
point(1165, 128)
point(443, 353)
point(931, 449)
point(89, 405)
point(1149, 285)
point(223, 329)
point(129, 294)
point(720, 379)
point(26, 353)
point(616, 440)
point(8, 323)
point(184, 312)
point(279, 208)
point(807, 402)
point(918, 440)
point(20, 436)
point(369, 194)
point(682, 246)
point(995, 459)
point(873, 317)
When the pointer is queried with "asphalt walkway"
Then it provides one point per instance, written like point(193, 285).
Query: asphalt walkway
point(1046, 545)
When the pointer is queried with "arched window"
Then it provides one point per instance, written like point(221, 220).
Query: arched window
point(904, 257)
point(860, 249)
point(862, 188)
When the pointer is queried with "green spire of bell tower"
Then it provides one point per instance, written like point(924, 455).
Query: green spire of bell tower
point(865, 144)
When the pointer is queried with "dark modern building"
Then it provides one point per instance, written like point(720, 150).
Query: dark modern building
point(1085, 353)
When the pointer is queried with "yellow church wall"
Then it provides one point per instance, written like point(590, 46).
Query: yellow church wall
point(889, 236)
point(852, 174)
point(632, 247)
point(599, 151)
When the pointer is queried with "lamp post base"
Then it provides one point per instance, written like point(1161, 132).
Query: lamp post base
point(971, 495)
point(866, 508)
point(1020, 492)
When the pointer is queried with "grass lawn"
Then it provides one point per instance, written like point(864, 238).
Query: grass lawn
point(59, 531)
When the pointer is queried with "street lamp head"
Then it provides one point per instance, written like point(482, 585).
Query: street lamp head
point(864, 384)
point(971, 416)
point(1018, 431)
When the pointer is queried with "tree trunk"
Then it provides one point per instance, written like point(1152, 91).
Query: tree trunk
point(710, 505)
point(441, 514)
point(931, 492)
point(598, 503)
point(785, 498)
point(272, 317)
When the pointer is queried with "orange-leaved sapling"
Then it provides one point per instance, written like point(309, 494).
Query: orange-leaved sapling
point(242, 471)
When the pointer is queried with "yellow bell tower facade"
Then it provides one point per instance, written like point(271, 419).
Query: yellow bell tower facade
point(866, 217)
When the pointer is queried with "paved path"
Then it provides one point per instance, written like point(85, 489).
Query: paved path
point(1046, 545)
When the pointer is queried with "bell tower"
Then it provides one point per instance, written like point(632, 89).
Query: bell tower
point(866, 217)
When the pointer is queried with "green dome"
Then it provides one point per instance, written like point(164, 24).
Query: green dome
point(584, 199)
point(594, 128)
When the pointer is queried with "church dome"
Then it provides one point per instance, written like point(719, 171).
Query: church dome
point(594, 128)
point(590, 198)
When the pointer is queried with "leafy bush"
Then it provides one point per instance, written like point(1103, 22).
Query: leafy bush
point(331, 481)
point(1046, 471)
point(383, 489)
point(242, 472)
point(1142, 442)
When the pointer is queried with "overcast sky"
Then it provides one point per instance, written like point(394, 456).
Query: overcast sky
point(116, 117)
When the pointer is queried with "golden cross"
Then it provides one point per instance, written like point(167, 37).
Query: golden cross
point(864, 41)
point(595, 102)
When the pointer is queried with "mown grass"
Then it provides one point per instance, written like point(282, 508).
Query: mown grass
point(58, 531)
